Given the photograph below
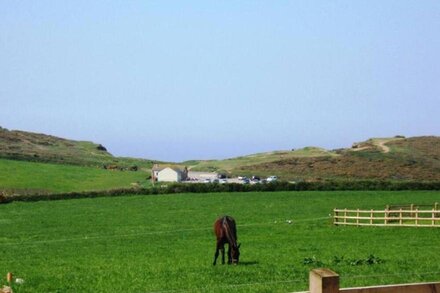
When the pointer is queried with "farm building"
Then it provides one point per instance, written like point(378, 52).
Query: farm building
point(168, 174)
point(200, 176)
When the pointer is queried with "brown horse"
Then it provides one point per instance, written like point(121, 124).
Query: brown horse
point(226, 232)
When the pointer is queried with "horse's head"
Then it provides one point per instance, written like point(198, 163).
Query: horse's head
point(235, 254)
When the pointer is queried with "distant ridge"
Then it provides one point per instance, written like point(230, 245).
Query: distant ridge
point(37, 147)
point(396, 158)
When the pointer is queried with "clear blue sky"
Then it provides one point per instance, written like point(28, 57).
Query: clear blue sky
point(178, 80)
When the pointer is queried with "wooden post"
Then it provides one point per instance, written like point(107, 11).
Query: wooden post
point(433, 219)
point(345, 216)
point(9, 277)
point(357, 218)
point(400, 217)
point(371, 217)
point(417, 217)
point(385, 217)
point(323, 281)
point(336, 219)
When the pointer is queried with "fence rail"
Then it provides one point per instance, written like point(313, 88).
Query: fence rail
point(388, 217)
point(326, 281)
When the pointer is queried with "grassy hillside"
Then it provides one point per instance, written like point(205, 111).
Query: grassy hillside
point(229, 165)
point(398, 158)
point(166, 243)
point(32, 177)
point(28, 146)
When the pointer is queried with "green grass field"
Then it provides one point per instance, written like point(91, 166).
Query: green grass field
point(30, 176)
point(166, 244)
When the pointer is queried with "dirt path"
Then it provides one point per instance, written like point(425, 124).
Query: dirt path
point(381, 144)
point(360, 149)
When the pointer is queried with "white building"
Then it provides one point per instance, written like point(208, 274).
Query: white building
point(169, 174)
point(200, 176)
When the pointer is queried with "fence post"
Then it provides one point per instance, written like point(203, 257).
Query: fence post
point(417, 217)
point(345, 216)
point(323, 281)
point(400, 217)
point(371, 217)
point(357, 218)
point(9, 277)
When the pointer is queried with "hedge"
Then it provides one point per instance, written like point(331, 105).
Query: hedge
point(232, 187)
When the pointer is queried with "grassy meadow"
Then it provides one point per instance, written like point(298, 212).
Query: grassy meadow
point(166, 244)
point(44, 177)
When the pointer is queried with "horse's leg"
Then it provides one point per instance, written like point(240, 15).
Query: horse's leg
point(215, 257)
point(229, 255)
point(216, 254)
point(223, 254)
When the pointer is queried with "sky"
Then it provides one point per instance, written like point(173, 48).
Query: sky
point(181, 80)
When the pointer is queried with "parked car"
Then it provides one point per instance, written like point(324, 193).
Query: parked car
point(272, 179)
point(215, 180)
point(207, 180)
point(245, 181)
point(256, 178)
point(223, 181)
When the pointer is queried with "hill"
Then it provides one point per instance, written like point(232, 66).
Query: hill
point(229, 165)
point(398, 158)
point(37, 147)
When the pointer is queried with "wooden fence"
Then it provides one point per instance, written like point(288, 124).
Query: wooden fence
point(408, 217)
point(327, 281)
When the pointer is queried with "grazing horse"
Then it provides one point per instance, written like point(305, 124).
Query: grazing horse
point(226, 232)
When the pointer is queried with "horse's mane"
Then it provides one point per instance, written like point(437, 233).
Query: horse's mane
point(231, 233)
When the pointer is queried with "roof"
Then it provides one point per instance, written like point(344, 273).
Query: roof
point(178, 170)
point(161, 167)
